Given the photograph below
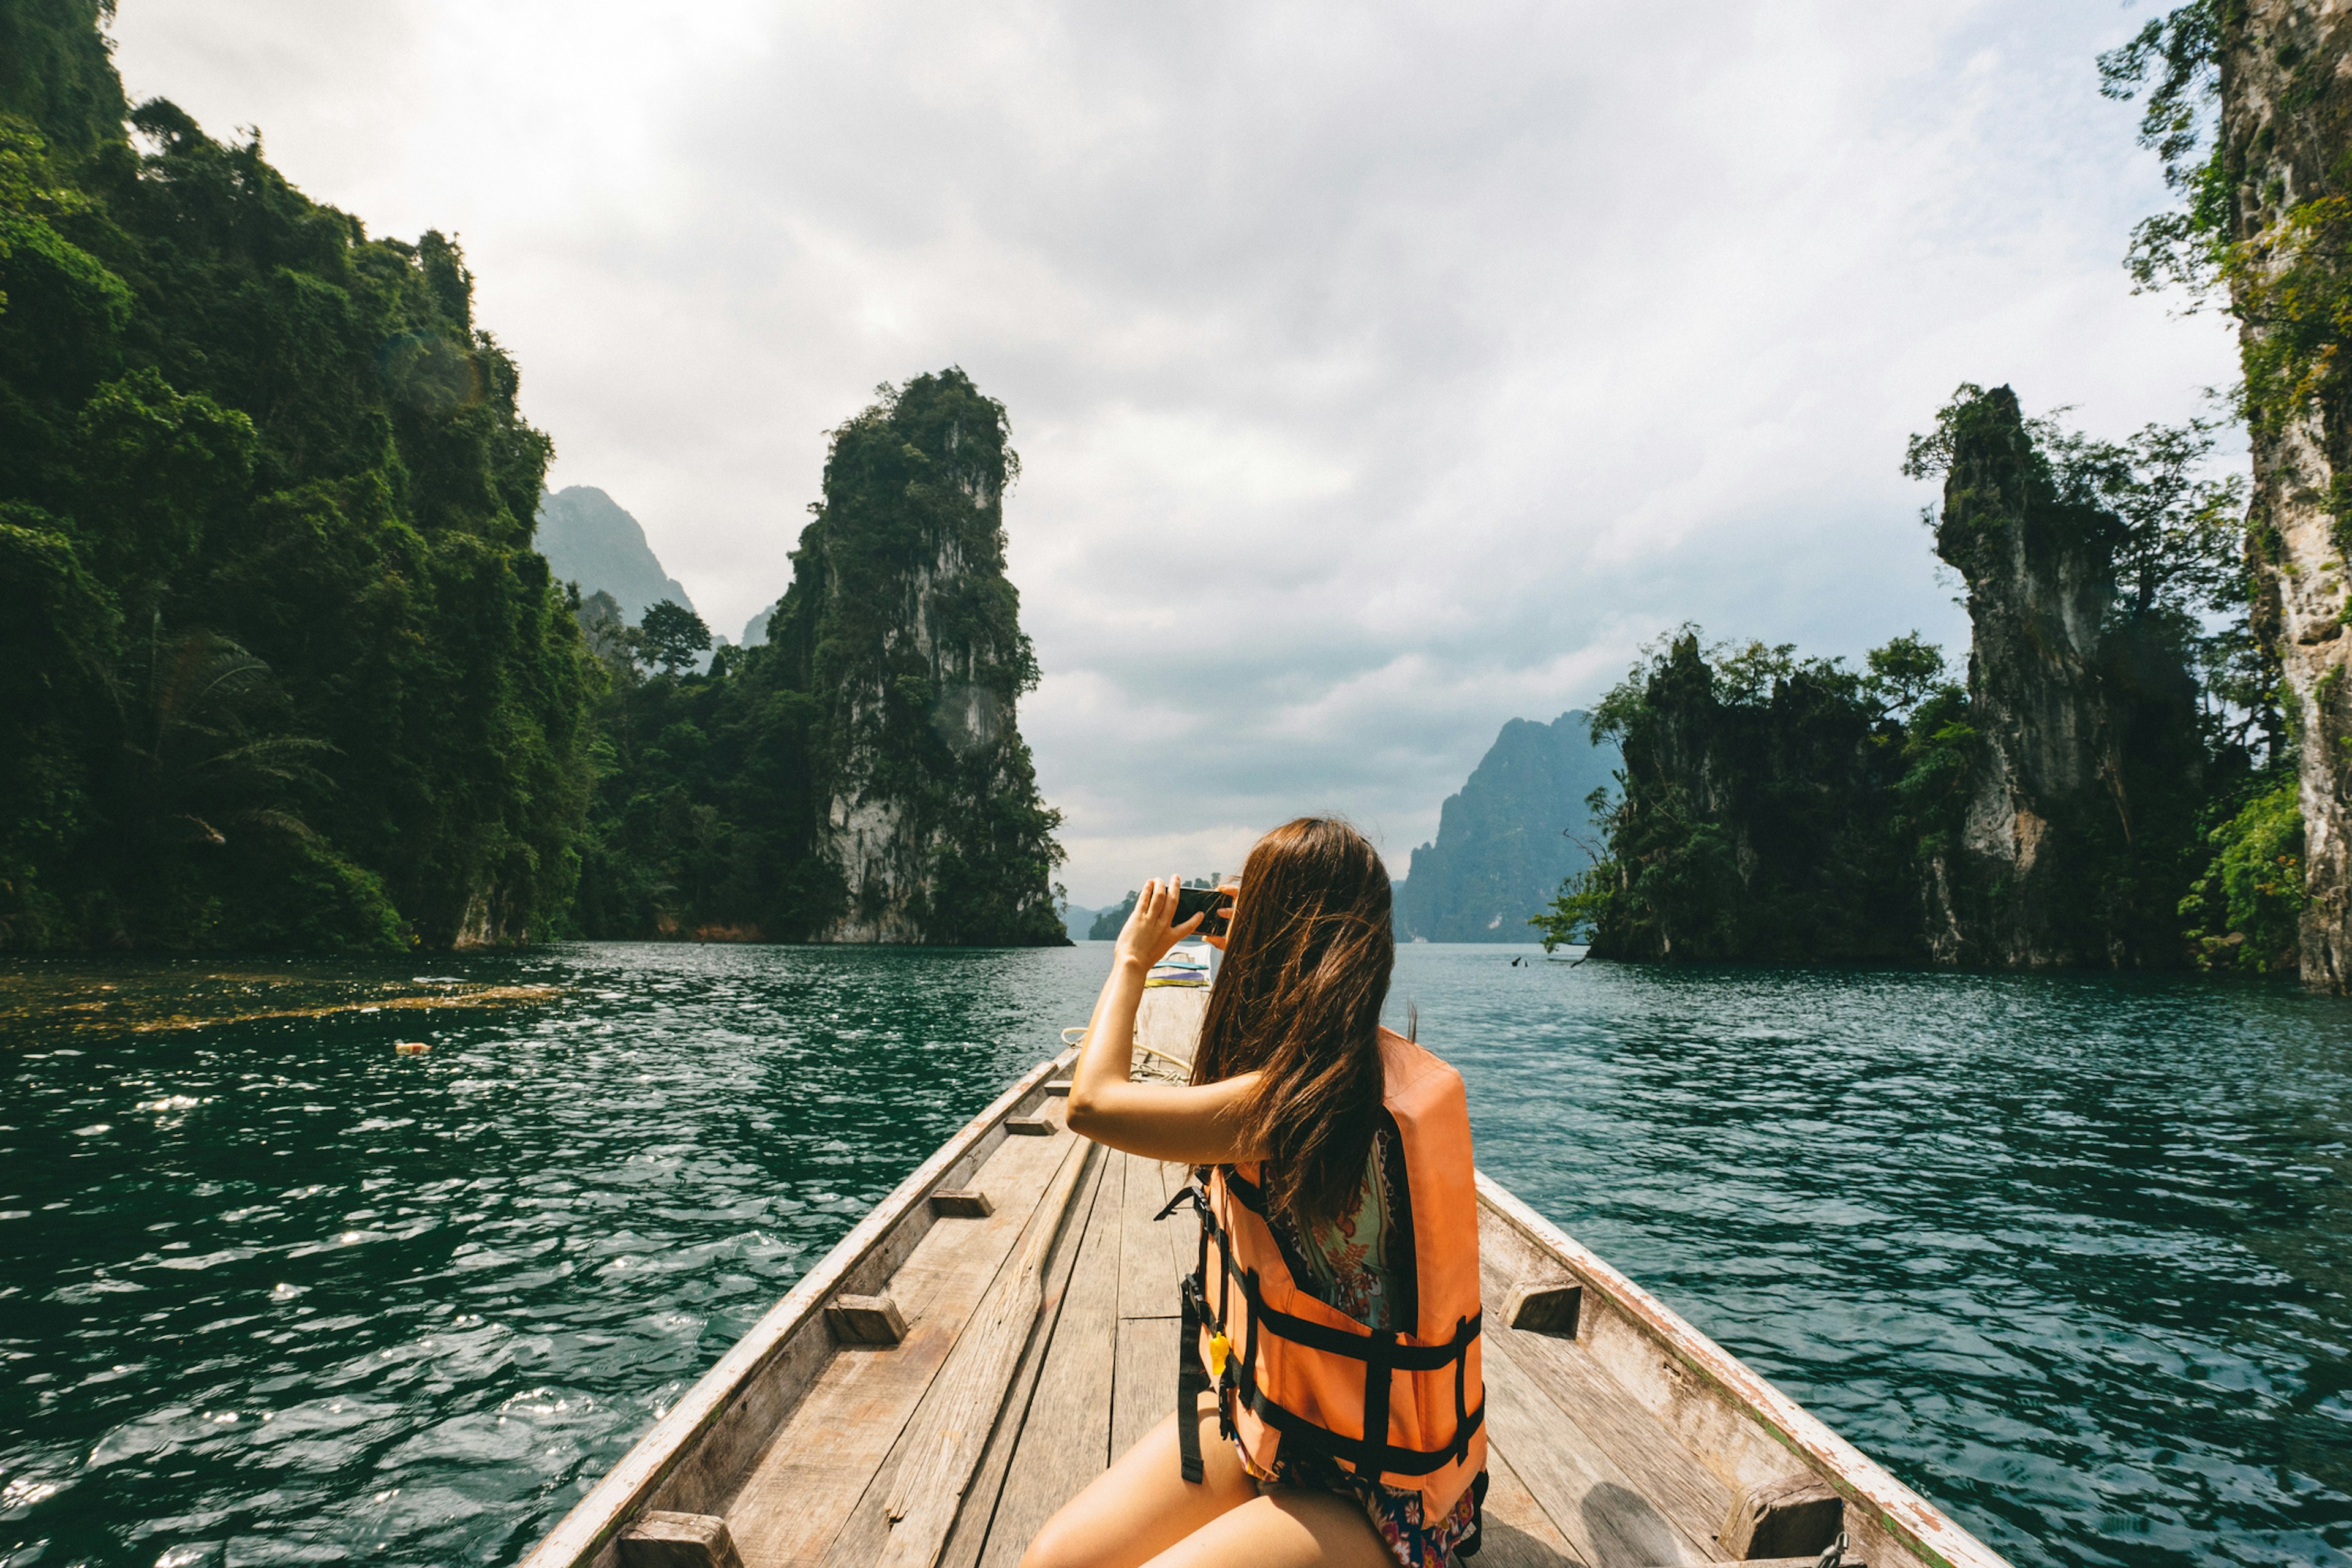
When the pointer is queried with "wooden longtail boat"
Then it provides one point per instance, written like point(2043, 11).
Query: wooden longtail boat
point(980, 1346)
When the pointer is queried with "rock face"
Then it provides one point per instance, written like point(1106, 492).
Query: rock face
point(903, 630)
point(1519, 827)
point(2286, 125)
point(2087, 753)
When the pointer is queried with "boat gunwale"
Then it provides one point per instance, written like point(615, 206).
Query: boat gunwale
point(593, 1522)
point(1910, 1519)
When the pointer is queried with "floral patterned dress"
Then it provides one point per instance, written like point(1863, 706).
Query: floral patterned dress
point(1362, 1264)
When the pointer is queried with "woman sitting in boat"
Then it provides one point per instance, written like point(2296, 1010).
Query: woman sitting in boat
point(1329, 1400)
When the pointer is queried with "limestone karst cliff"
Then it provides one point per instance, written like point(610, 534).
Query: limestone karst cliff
point(2082, 777)
point(2284, 158)
point(902, 628)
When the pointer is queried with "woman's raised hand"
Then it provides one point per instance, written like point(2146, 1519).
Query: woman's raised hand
point(1149, 933)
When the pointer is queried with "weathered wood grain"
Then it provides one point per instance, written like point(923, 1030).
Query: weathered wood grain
point(961, 1203)
point(1518, 1533)
point(661, 1540)
point(821, 1458)
point(1601, 1511)
point(951, 1427)
point(865, 1319)
point(1675, 1480)
point(1065, 1438)
point(1543, 1308)
point(1169, 1022)
point(861, 1540)
point(1798, 1515)
point(1143, 1387)
point(1147, 1265)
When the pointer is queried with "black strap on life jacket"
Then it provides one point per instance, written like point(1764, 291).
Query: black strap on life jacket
point(1372, 1455)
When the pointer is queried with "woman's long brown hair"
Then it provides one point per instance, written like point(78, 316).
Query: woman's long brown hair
point(1298, 1000)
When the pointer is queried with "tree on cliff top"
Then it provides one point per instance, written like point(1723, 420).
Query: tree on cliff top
point(2280, 259)
point(672, 637)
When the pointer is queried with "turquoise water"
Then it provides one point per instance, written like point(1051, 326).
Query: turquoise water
point(2070, 1256)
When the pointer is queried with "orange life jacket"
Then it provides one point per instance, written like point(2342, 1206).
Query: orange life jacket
point(1291, 1371)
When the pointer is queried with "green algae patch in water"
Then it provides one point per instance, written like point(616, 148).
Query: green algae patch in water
point(157, 999)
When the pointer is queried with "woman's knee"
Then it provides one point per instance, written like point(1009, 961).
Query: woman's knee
point(1061, 1545)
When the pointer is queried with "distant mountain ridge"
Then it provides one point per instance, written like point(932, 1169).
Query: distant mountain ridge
point(590, 540)
point(1507, 841)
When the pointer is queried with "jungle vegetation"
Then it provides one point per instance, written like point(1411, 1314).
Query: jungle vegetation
point(280, 667)
point(1777, 807)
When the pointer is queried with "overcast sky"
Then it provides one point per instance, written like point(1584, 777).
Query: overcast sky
point(1379, 372)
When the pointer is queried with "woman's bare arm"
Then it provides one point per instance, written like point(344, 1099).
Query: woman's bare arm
point(1156, 1121)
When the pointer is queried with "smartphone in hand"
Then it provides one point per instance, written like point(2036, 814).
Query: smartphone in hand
point(1212, 902)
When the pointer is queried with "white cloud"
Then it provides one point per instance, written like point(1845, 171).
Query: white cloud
point(1380, 373)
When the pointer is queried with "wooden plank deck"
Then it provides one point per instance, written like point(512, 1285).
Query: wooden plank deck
point(1582, 1476)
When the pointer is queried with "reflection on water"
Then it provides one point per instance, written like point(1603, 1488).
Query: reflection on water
point(2067, 1254)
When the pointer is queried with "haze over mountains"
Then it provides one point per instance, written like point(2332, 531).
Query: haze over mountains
point(1519, 827)
point(590, 540)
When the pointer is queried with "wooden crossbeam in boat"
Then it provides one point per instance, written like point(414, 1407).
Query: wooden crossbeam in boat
point(865, 1319)
point(1545, 1308)
point(680, 1540)
point(1797, 1514)
point(1029, 1126)
point(961, 1203)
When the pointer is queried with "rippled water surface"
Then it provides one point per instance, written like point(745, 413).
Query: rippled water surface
point(2071, 1256)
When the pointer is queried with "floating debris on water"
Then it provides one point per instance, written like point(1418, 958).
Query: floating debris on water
point(410, 1048)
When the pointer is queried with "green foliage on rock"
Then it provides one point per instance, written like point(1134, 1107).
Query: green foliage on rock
point(858, 776)
point(2278, 259)
point(904, 630)
point(283, 669)
point(1758, 815)
point(2049, 813)
point(2244, 914)
point(702, 819)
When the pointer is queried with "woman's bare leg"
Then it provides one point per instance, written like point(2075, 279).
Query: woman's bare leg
point(1285, 1528)
point(1142, 1510)
point(1142, 1504)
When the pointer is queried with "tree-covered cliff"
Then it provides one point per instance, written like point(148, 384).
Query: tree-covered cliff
point(2085, 766)
point(2250, 104)
point(1762, 811)
point(902, 626)
point(281, 666)
point(858, 776)
point(2100, 792)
